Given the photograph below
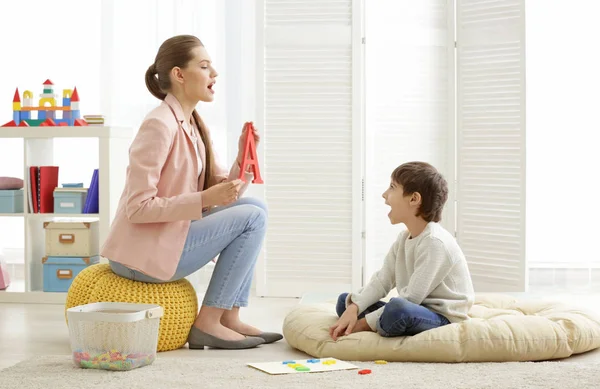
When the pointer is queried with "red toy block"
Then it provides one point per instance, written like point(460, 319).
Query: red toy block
point(250, 150)
point(80, 122)
point(63, 124)
point(48, 123)
point(365, 371)
point(12, 123)
point(75, 95)
point(23, 124)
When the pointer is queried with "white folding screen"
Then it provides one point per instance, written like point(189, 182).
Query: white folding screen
point(306, 101)
point(409, 105)
point(491, 142)
point(454, 97)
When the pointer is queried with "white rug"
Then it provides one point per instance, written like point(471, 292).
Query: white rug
point(58, 372)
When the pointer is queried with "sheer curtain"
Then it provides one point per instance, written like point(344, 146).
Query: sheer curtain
point(562, 155)
point(132, 32)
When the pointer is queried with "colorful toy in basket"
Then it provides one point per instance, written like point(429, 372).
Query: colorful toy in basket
point(46, 109)
point(114, 336)
point(112, 360)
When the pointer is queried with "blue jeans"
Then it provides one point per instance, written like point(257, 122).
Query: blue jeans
point(400, 317)
point(235, 233)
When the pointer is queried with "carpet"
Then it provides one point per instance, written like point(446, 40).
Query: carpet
point(58, 372)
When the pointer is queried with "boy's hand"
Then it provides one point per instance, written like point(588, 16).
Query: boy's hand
point(345, 323)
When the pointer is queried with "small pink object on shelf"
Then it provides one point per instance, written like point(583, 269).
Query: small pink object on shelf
point(4, 278)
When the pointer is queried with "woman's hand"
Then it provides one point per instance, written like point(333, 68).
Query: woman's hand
point(242, 141)
point(221, 194)
point(345, 324)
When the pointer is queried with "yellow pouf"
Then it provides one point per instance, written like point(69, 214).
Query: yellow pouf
point(97, 283)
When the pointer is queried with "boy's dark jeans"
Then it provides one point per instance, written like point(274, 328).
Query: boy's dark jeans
point(400, 317)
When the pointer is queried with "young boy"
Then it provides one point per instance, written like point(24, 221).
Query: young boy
point(425, 264)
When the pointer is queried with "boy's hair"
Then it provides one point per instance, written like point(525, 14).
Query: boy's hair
point(423, 178)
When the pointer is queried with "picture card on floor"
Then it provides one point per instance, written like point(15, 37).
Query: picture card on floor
point(314, 365)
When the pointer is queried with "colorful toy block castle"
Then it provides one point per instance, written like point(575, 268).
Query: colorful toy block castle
point(46, 109)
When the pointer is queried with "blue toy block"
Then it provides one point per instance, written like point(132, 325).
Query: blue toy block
point(66, 115)
point(66, 101)
point(75, 114)
point(25, 115)
point(41, 115)
point(287, 362)
point(313, 360)
point(17, 117)
point(51, 115)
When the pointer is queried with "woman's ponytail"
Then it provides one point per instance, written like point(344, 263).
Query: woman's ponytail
point(152, 83)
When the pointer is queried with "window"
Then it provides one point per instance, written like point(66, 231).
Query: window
point(95, 46)
point(562, 153)
point(62, 46)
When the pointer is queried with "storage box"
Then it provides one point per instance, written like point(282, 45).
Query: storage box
point(59, 272)
point(69, 201)
point(72, 238)
point(114, 336)
point(11, 201)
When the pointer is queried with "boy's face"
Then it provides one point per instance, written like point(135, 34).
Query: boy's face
point(403, 208)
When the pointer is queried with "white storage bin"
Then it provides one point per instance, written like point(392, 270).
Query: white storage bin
point(114, 336)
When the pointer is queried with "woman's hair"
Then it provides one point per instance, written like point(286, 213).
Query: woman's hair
point(177, 52)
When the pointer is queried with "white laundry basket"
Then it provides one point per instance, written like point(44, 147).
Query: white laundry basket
point(114, 336)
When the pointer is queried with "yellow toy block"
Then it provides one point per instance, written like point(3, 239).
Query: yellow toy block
point(49, 100)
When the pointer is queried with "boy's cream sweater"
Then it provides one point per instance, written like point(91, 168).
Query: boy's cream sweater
point(430, 270)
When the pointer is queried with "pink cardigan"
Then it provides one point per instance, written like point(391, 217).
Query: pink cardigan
point(161, 195)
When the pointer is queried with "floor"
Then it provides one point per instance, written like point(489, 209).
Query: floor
point(27, 330)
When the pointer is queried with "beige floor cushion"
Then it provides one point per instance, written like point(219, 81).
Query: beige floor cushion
point(501, 328)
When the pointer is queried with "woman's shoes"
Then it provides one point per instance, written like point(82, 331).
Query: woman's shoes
point(268, 337)
point(198, 339)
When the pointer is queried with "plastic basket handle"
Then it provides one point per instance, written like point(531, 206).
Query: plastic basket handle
point(154, 312)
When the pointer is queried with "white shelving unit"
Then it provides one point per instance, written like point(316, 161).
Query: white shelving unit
point(38, 150)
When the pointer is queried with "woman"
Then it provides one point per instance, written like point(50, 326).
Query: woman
point(180, 208)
